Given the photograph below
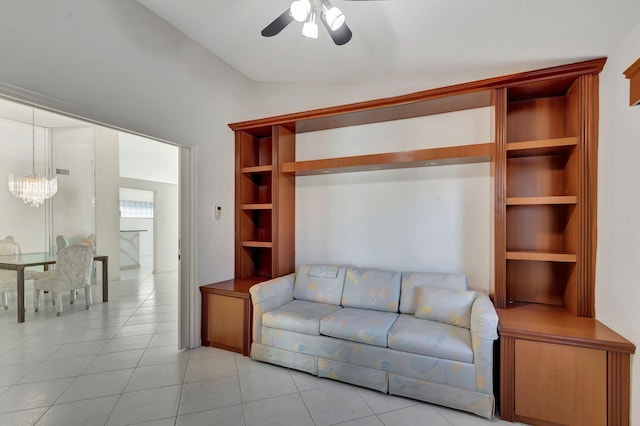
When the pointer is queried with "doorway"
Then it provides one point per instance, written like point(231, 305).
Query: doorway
point(101, 183)
point(136, 229)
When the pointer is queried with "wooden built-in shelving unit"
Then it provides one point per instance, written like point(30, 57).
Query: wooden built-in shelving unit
point(544, 165)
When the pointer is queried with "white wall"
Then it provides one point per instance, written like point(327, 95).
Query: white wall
point(423, 219)
point(107, 198)
point(73, 209)
point(618, 268)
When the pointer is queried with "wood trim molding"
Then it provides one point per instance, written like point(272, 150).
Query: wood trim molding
point(633, 74)
point(507, 378)
point(587, 193)
point(444, 99)
point(500, 196)
point(619, 388)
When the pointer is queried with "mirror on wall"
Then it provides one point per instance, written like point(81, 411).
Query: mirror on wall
point(62, 146)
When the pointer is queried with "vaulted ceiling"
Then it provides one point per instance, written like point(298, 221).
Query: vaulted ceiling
point(404, 39)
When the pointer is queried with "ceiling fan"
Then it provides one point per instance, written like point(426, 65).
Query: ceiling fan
point(307, 11)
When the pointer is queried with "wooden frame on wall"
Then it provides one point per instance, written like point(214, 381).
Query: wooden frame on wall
point(633, 74)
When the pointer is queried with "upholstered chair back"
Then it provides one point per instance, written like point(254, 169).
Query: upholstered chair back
point(73, 267)
point(9, 246)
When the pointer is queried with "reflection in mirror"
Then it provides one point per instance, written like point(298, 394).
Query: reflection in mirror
point(63, 147)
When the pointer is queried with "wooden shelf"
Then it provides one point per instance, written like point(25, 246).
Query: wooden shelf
point(257, 169)
point(257, 206)
point(257, 244)
point(462, 154)
point(540, 147)
point(532, 201)
point(541, 256)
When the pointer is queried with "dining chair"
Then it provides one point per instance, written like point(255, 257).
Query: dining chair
point(61, 242)
point(73, 271)
point(8, 279)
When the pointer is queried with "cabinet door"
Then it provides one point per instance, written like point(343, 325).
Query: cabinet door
point(226, 322)
point(558, 384)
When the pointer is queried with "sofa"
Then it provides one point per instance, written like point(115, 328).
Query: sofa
point(419, 335)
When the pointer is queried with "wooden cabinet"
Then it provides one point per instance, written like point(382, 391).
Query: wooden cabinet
point(560, 369)
point(551, 379)
point(226, 314)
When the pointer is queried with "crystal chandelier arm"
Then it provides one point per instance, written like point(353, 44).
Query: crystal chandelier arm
point(33, 140)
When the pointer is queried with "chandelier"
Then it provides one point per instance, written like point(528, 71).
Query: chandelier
point(34, 188)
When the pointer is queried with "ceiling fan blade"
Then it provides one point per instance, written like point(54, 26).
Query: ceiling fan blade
point(278, 24)
point(340, 36)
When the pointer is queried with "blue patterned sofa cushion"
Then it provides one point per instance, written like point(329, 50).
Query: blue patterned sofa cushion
point(319, 283)
point(411, 281)
point(299, 315)
point(418, 336)
point(448, 306)
point(371, 289)
point(359, 325)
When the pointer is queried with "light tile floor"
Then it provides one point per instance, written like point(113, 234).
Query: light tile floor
point(117, 364)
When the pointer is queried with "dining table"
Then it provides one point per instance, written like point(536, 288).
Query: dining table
point(18, 263)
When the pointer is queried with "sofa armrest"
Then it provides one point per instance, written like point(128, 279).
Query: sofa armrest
point(484, 319)
point(484, 330)
point(267, 296)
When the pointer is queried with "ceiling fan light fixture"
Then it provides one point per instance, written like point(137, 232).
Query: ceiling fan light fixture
point(334, 16)
point(300, 10)
point(310, 28)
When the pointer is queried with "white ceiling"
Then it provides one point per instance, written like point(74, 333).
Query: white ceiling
point(400, 39)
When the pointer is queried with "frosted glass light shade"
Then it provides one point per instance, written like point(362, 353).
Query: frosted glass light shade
point(310, 28)
point(335, 18)
point(300, 10)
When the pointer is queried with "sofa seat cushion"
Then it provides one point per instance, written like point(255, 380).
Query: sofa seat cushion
point(299, 315)
point(424, 337)
point(359, 325)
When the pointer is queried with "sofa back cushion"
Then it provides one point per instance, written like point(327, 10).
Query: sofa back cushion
point(319, 283)
point(451, 307)
point(412, 281)
point(371, 289)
